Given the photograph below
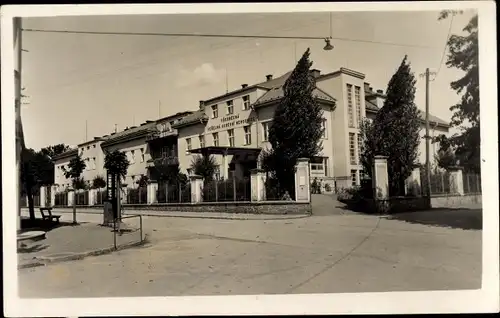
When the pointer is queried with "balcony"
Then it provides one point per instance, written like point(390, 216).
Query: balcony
point(165, 160)
point(161, 134)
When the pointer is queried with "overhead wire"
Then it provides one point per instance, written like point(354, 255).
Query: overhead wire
point(445, 47)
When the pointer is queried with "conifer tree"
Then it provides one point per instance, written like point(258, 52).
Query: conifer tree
point(297, 124)
point(395, 130)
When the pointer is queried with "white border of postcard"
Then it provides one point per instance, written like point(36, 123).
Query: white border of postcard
point(468, 301)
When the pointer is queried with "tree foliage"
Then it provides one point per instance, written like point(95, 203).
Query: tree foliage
point(395, 130)
point(167, 172)
point(204, 166)
point(37, 169)
point(464, 55)
point(116, 162)
point(302, 139)
point(446, 158)
point(143, 181)
point(76, 166)
point(99, 182)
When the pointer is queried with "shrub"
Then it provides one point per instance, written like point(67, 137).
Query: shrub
point(328, 188)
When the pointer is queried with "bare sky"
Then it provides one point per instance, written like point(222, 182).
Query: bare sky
point(108, 79)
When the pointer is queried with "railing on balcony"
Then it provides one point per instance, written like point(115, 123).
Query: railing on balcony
point(161, 134)
point(166, 160)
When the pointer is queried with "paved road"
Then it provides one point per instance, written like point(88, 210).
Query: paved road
point(322, 254)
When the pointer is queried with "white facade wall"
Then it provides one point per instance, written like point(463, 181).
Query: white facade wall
point(59, 178)
point(138, 164)
point(93, 156)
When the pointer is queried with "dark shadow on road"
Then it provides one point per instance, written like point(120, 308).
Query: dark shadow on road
point(466, 219)
point(43, 225)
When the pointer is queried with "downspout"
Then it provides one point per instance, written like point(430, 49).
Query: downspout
point(333, 149)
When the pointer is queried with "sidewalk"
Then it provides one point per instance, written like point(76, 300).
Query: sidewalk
point(68, 242)
point(198, 215)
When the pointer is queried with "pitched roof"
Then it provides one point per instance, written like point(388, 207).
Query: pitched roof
point(276, 92)
point(66, 154)
point(197, 116)
point(130, 134)
point(433, 119)
point(371, 106)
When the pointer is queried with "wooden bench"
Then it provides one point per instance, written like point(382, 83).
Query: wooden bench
point(49, 217)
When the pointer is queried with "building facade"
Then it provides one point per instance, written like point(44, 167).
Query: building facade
point(234, 129)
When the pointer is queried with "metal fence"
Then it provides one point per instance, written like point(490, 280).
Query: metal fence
point(128, 231)
point(61, 199)
point(100, 196)
point(36, 200)
point(233, 189)
point(82, 198)
point(23, 202)
point(173, 192)
point(273, 190)
point(137, 195)
point(442, 182)
point(472, 183)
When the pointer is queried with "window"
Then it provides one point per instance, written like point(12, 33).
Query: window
point(350, 111)
point(215, 136)
point(94, 146)
point(94, 164)
point(87, 164)
point(201, 138)
point(132, 157)
point(360, 148)
point(352, 149)
point(188, 143)
point(230, 137)
point(354, 177)
point(246, 102)
point(88, 147)
point(265, 129)
point(357, 97)
point(215, 111)
point(142, 154)
point(230, 108)
point(325, 130)
point(248, 135)
point(318, 165)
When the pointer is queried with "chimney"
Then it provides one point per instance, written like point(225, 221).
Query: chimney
point(380, 91)
point(315, 73)
point(269, 77)
point(202, 104)
point(244, 85)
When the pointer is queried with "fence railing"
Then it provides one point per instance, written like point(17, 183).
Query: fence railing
point(233, 189)
point(82, 198)
point(173, 192)
point(23, 202)
point(61, 199)
point(273, 190)
point(126, 233)
point(100, 196)
point(472, 183)
point(137, 195)
point(444, 183)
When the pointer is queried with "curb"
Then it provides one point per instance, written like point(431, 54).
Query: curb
point(296, 216)
point(80, 256)
point(271, 216)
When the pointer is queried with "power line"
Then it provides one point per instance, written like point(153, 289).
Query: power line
point(445, 46)
point(224, 36)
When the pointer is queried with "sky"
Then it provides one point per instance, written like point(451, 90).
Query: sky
point(80, 86)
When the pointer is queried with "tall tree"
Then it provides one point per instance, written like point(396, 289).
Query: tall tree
point(395, 131)
point(464, 55)
point(297, 124)
point(116, 162)
point(76, 166)
point(37, 169)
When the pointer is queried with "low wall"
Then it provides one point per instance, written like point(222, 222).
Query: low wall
point(264, 207)
point(468, 201)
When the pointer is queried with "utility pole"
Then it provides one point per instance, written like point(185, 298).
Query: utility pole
point(427, 136)
point(18, 94)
